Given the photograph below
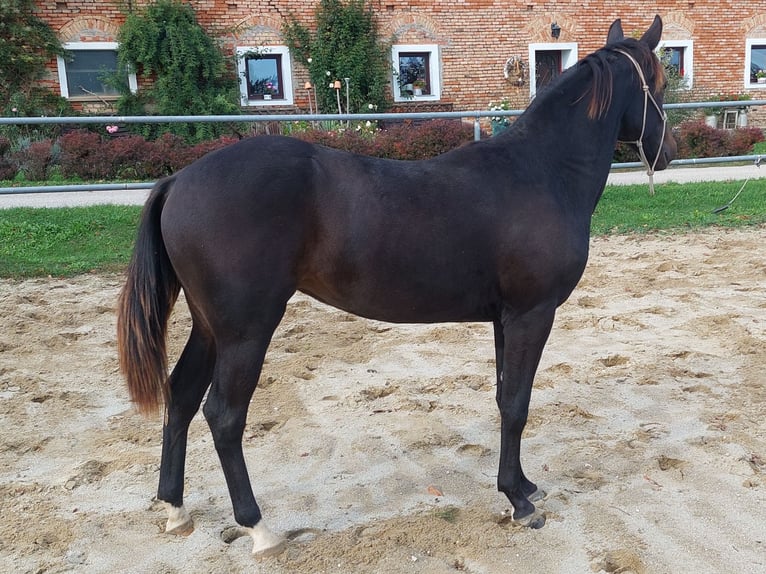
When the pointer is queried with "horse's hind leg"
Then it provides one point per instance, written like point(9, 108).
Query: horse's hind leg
point(188, 382)
point(524, 337)
point(238, 366)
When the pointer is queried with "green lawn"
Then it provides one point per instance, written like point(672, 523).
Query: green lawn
point(66, 241)
point(678, 207)
point(69, 241)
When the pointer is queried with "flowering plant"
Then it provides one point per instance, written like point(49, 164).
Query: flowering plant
point(265, 86)
point(503, 105)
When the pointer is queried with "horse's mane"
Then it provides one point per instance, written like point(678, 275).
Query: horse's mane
point(602, 84)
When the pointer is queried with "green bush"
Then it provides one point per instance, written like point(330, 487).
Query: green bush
point(190, 74)
point(345, 44)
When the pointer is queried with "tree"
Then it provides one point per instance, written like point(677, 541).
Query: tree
point(344, 45)
point(27, 44)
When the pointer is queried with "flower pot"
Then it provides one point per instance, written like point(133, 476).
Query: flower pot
point(761, 80)
point(418, 91)
point(266, 96)
point(742, 119)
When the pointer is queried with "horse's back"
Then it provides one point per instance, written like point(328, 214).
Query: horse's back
point(423, 241)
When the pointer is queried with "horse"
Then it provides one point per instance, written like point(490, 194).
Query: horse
point(494, 231)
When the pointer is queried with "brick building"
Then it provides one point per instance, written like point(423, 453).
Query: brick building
point(459, 54)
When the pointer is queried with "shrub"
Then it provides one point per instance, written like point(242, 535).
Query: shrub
point(696, 139)
point(191, 76)
point(348, 140)
point(422, 140)
point(406, 140)
point(168, 153)
point(127, 157)
point(743, 140)
point(82, 155)
point(35, 160)
point(8, 169)
point(345, 44)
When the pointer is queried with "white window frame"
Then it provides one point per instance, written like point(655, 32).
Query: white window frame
point(568, 59)
point(688, 46)
point(434, 72)
point(749, 43)
point(287, 75)
point(82, 46)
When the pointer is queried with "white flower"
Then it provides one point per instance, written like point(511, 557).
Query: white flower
point(327, 73)
point(309, 60)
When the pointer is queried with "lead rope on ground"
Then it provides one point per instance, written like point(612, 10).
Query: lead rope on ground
point(757, 164)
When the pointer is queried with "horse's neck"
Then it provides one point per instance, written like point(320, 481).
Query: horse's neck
point(580, 149)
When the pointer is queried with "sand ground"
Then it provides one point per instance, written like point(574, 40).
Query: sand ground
point(379, 443)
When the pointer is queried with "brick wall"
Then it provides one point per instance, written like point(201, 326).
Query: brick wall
point(475, 36)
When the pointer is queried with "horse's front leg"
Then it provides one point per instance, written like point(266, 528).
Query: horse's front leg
point(519, 340)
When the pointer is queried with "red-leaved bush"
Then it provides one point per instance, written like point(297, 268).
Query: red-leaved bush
point(35, 159)
point(8, 169)
point(697, 139)
point(82, 155)
point(90, 156)
point(404, 140)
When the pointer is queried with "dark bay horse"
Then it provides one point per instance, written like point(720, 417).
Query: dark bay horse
point(494, 231)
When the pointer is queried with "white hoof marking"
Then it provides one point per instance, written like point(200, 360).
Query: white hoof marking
point(265, 542)
point(179, 522)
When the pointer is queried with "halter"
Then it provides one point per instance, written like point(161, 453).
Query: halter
point(639, 143)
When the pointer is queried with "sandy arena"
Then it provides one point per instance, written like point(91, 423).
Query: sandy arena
point(375, 446)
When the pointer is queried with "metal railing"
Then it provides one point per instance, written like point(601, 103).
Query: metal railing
point(475, 115)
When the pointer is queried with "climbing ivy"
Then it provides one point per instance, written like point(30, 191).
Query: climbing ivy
point(190, 75)
point(345, 44)
point(27, 44)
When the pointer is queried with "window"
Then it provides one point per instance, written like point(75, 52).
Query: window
point(416, 72)
point(755, 63)
point(82, 74)
point(547, 62)
point(678, 56)
point(265, 76)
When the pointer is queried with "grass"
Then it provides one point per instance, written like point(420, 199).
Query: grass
point(679, 207)
point(68, 241)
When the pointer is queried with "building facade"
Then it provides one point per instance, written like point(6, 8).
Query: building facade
point(449, 54)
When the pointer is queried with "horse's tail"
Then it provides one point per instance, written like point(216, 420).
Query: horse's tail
point(145, 303)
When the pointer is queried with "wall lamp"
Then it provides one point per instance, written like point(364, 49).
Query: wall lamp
point(555, 31)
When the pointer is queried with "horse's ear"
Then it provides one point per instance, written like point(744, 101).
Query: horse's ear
point(615, 33)
point(653, 34)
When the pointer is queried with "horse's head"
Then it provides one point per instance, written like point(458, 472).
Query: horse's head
point(644, 123)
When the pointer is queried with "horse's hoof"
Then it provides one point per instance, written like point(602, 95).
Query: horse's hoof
point(272, 551)
point(179, 522)
point(537, 495)
point(182, 529)
point(534, 521)
point(265, 542)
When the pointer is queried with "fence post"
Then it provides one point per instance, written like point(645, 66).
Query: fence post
point(476, 129)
